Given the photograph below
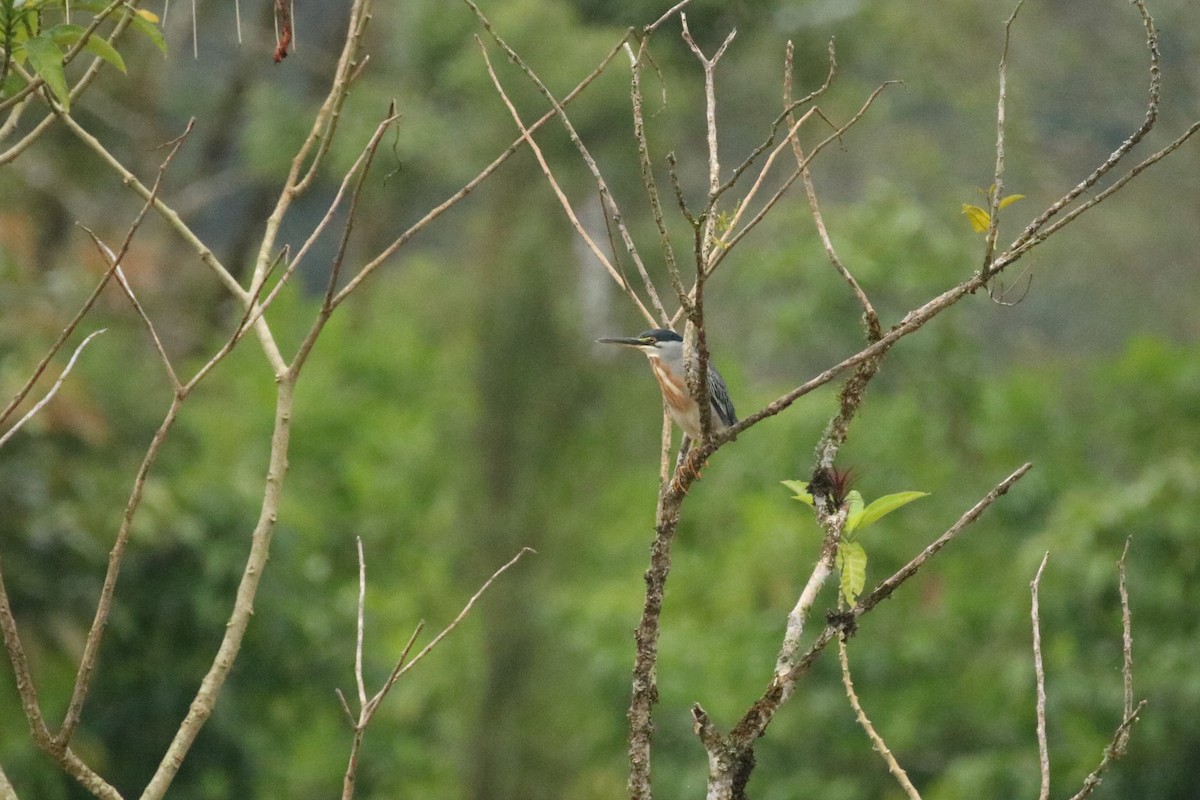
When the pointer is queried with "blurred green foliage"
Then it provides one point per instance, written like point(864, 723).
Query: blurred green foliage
point(456, 411)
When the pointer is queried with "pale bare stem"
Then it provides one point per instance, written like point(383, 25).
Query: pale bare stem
point(331, 212)
point(151, 196)
point(91, 649)
point(744, 203)
point(672, 11)
point(1028, 235)
point(710, 120)
point(870, 318)
point(40, 404)
point(358, 641)
point(832, 523)
point(369, 268)
point(402, 667)
point(327, 304)
point(10, 125)
point(885, 589)
point(26, 688)
point(647, 167)
point(1120, 739)
point(1040, 681)
point(320, 137)
point(6, 789)
point(63, 756)
point(253, 310)
point(368, 707)
point(167, 213)
point(664, 463)
point(876, 740)
point(608, 201)
point(775, 198)
point(912, 322)
point(235, 629)
point(111, 257)
point(613, 272)
point(996, 193)
point(66, 332)
point(1126, 645)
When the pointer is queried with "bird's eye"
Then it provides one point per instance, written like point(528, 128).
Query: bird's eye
point(647, 340)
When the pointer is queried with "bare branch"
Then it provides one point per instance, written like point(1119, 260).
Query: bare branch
point(39, 405)
point(6, 789)
point(367, 708)
point(870, 318)
point(832, 523)
point(639, 133)
point(710, 119)
point(1126, 645)
point(876, 740)
point(1029, 236)
point(108, 254)
point(358, 641)
point(613, 272)
point(1040, 680)
point(1111, 754)
point(996, 193)
point(608, 201)
point(720, 254)
point(369, 268)
point(672, 11)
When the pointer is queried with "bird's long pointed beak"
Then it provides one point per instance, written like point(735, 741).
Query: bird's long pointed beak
point(625, 340)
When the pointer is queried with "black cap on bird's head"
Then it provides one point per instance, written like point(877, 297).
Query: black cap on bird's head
point(648, 338)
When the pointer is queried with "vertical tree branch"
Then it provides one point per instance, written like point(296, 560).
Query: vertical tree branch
point(1040, 680)
point(876, 740)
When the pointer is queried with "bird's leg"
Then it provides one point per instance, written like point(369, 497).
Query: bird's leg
point(684, 447)
point(683, 465)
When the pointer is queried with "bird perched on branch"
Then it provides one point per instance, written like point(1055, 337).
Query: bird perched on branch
point(664, 349)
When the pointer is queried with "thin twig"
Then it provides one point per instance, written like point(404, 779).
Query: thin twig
point(721, 253)
point(358, 642)
point(710, 120)
point(876, 740)
point(870, 317)
point(368, 707)
point(608, 201)
point(386, 253)
point(1126, 643)
point(613, 272)
point(647, 168)
point(1111, 754)
point(1032, 230)
point(8, 434)
point(1040, 682)
point(996, 193)
point(107, 252)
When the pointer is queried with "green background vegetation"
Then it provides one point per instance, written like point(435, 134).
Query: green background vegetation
point(457, 410)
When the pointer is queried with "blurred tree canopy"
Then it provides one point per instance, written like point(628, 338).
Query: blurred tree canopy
point(457, 411)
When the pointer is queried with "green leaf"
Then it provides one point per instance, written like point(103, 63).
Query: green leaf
point(47, 61)
point(885, 505)
point(980, 220)
point(150, 31)
point(801, 492)
point(65, 35)
point(854, 511)
point(852, 567)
